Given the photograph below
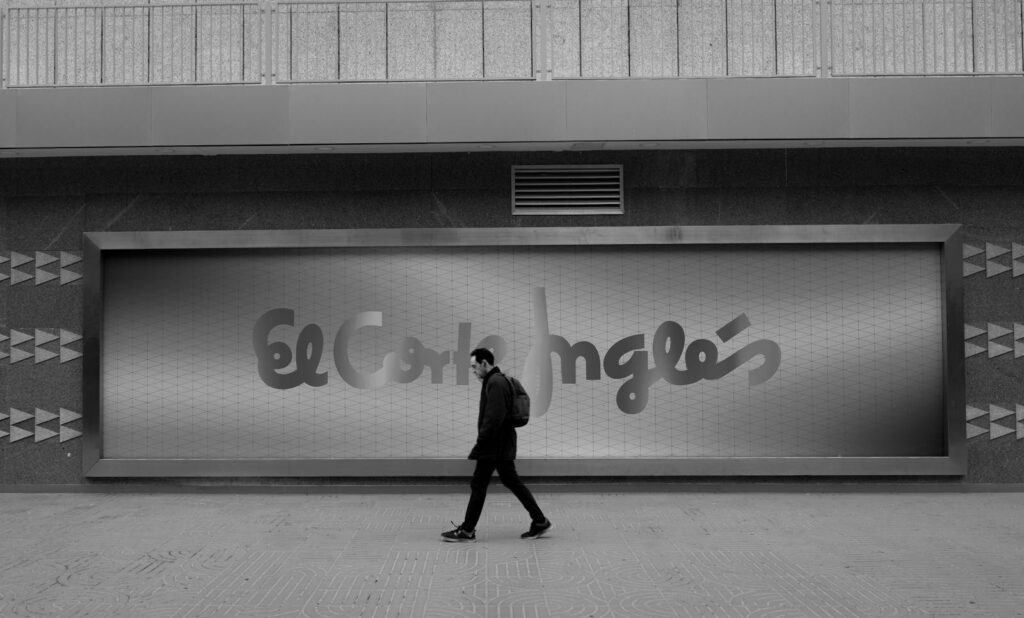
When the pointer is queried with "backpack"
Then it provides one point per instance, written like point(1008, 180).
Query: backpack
point(520, 403)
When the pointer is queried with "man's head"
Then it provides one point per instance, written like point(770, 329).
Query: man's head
point(481, 360)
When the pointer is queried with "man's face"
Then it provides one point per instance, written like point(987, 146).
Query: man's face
point(480, 368)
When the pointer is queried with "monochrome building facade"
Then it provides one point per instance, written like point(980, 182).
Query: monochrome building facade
point(275, 126)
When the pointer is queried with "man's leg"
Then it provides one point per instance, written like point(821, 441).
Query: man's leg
point(510, 478)
point(478, 493)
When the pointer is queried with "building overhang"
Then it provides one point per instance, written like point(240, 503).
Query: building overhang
point(571, 115)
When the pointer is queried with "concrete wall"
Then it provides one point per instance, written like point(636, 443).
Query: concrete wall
point(65, 43)
point(46, 205)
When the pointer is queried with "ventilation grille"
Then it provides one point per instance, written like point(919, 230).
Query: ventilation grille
point(567, 190)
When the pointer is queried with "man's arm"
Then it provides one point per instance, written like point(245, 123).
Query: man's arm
point(495, 410)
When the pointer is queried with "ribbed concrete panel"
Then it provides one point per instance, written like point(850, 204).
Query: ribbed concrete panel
point(778, 109)
point(357, 113)
point(507, 41)
point(83, 117)
point(605, 35)
point(751, 40)
point(919, 107)
point(363, 52)
point(618, 110)
point(501, 112)
point(459, 48)
point(313, 54)
point(653, 39)
point(565, 38)
point(411, 39)
point(701, 38)
point(220, 115)
point(797, 35)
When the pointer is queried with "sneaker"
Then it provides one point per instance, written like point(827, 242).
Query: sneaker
point(458, 535)
point(537, 530)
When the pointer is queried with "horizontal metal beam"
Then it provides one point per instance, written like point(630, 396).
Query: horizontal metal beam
point(674, 467)
point(469, 237)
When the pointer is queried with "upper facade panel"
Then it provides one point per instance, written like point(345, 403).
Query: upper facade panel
point(151, 42)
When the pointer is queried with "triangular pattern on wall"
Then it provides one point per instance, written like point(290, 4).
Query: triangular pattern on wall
point(39, 418)
point(993, 262)
point(42, 267)
point(1013, 342)
point(25, 345)
point(996, 414)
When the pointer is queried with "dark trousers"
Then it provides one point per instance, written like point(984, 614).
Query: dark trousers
point(509, 478)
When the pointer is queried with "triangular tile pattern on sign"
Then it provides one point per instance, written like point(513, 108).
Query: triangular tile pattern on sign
point(970, 332)
point(973, 413)
point(998, 431)
point(18, 337)
point(995, 331)
point(18, 276)
point(994, 261)
point(995, 349)
point(43, 337)
point(67, 433)
point(997, 412)
point(19, 416)
point(42, 355)
point(42, 433)
point(973, 431)
point(44, 259)
point(17, 433)
point(41, 267)
point(971, 251)
point(993, 268)
point(43, 416)
point(19, 259)
point(993, 251)
point(67, 337)
point(68, 416)
point(43, 276)
point(994, 412)
point(18, 355)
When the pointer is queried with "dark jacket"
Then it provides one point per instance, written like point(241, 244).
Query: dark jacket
point(496, 437)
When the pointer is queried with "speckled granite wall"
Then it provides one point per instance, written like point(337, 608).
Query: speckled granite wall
point(46, 205)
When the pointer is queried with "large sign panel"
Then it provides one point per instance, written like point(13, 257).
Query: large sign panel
point(644, 351)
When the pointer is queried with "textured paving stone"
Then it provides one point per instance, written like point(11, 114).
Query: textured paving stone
point(641, 555)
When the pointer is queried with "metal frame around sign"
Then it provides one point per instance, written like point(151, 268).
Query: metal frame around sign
point(945, 237)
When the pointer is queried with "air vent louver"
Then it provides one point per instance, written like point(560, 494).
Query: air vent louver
point(567, 190)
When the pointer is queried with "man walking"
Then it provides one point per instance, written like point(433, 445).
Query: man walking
point(495, 449)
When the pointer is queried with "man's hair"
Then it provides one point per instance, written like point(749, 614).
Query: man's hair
point(481, 355)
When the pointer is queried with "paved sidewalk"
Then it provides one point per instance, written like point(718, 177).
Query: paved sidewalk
point(626, 554)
